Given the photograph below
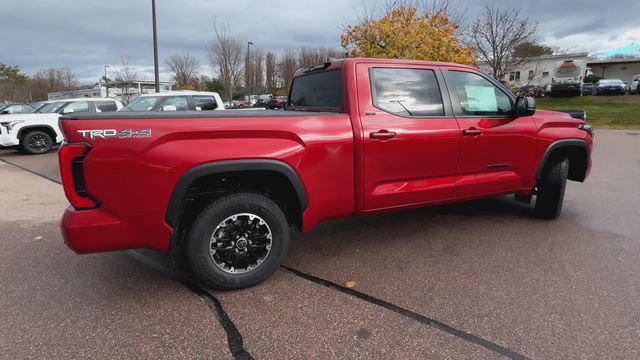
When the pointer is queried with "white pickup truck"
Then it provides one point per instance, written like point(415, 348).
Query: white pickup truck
point(36, 133)
point(180, 100)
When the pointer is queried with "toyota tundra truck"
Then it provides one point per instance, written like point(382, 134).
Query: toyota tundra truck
point(359, 136)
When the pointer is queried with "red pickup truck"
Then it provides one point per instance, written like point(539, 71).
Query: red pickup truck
point(359, 136)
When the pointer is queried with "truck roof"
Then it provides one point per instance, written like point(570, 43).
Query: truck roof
point(80, 99)
point(179, 92)
point(339, 63)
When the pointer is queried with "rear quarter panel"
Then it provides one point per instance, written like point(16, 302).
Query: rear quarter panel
point(134, 178)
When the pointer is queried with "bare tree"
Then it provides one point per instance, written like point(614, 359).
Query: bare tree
point(496, 36)
point(225, 57)
point(126, 71)
point(287, 67)
point(270, 73)
point(258, 69)
point(254, 74)
point(185, 70)
point(125, 75)
point(314, 56)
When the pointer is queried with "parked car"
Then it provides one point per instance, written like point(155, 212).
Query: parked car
point(223, 190)
point(278, 102)
point(239, 104)
point(611, 87)
point(176, 101)
point(259, 103)
point(36, 133)
point(589, 89)
point(19, 108)
point(634, 88)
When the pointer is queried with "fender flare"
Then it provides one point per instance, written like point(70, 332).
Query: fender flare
point(24, 129)
point(558, 145)
point(182, 186)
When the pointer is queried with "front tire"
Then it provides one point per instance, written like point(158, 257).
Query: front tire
point(237, 241)
point(551, 188)
point(36, 142)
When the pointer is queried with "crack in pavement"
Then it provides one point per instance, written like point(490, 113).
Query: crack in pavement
point(234, 337)
point(410, 314)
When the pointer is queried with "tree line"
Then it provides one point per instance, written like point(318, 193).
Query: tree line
point(241, 70)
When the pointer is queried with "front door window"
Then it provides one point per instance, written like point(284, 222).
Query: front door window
point(478, 96)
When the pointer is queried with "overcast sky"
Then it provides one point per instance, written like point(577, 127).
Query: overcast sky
point(85, 35)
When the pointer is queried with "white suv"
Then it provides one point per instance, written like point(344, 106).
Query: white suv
point(36, 133)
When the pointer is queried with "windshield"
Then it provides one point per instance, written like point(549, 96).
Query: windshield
point(19, 109)
point(322, 90)
point(52, 108)
point(142, 103)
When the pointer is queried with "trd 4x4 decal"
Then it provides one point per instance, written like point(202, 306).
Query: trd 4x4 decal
point(113, 133)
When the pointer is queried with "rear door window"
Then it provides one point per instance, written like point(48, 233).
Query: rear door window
point(77, 107)
point(407, 92)
point(176, 103)
point(204, 103)
point(320, 90)
point(142, 103)
point(104, 106)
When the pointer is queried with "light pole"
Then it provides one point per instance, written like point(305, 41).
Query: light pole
point(106, 83)
point(248, 74)
point(155, 46)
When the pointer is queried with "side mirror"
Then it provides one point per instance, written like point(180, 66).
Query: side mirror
point(169, 108)
point(525, 106)
point(5, 112)
point(67, 111)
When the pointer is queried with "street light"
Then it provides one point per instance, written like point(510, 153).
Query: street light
point(155, 46)
point(106, 85)
point(247, 74)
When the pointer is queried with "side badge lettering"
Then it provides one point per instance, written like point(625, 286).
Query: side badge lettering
point(113, 133)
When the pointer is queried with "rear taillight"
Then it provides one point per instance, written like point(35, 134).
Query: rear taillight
point(71, 157)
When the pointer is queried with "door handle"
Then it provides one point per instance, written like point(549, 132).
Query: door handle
point(382, 135)
point(472, 132)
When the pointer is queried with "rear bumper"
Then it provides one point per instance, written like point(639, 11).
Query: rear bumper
point(98, 230)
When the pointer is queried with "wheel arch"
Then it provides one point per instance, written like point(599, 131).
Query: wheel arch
point(236, 167)
point(44, 128)
point(576, 150)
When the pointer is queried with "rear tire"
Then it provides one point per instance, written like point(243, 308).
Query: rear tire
point(551, 188)
point(237, 241)
point(36, 142)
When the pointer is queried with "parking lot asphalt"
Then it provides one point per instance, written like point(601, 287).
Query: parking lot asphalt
point(482, 279)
